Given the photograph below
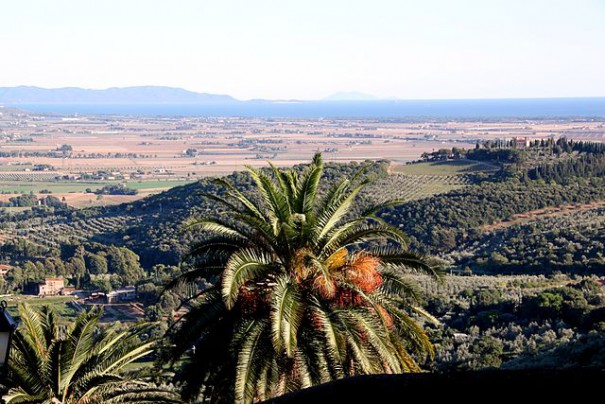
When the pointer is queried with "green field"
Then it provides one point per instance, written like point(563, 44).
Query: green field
point(59, 303)
point(152, 184)
point(451, 167)
point(53, 186)
point(16, 168)
point(412, 187)
point(59, 187)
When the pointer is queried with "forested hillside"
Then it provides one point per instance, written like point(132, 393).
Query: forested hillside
point(533, 214)
point(443, 214)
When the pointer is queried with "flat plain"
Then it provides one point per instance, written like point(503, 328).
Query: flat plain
point(70, 155)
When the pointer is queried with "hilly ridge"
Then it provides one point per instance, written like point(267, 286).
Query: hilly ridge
point(126, 95)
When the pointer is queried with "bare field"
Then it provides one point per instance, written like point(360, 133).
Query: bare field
point(66, 155)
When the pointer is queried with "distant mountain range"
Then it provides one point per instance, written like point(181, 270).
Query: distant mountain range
point(125, 95)
point(137, 95)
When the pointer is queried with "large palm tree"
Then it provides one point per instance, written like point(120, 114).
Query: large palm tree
point(80, 363)
point(305, 291)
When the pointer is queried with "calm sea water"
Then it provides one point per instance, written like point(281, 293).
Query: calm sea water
point(524, 108)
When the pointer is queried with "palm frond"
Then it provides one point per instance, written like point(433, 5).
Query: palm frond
point(217, 226)
point(248, 205)
point(286, 315)
point(275, 201)
point(309, 185)
point(398, 258)
point(249, 363)
point(336, 211)
point(376, 208)
point(77, 364)
point(243, 266)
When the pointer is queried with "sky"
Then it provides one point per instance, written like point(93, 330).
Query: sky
point(309, 49)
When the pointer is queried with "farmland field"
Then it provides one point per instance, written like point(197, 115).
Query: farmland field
point(413, 187)
point(68, 154)
point(59, 303)
point(155, 184)
point(53, 186)
point(445, 168)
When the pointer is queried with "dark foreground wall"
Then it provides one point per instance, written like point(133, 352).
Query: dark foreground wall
point(536, 387)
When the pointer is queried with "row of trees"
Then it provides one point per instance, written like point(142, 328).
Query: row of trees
point(28, 200)
point(587, 165)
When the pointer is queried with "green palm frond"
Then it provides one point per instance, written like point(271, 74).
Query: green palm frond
point(243, 266)
point(359, 231)
point(286, 315)
point(217, 226)
point(248, 205)
point(332, 344)
point(397, 285)
point(398, 258)
point(80, 364)
point(303, 298)
point(308, 186)
point(275, 202)
point(288, 184)
point(336, 211)
point(249, 361)
point(374, 209)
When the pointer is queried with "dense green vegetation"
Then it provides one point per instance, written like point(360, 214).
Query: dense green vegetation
point(570, 242)
point(441, 222)
point(116, 189)
point(438, 221)
point(88, 265)
point(296, 299)
point(29, 200)
point(518, 322)
point(471, 209)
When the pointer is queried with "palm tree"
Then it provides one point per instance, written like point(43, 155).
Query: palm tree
point(305, 291)
point(81, 363)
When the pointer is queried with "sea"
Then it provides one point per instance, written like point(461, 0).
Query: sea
point(537, 108)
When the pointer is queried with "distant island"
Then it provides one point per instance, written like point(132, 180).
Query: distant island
point(114, 95)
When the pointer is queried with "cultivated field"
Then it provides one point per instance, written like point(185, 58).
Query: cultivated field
point(445, 168)
point(66, 155)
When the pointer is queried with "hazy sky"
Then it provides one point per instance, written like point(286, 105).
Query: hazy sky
point(308, 49)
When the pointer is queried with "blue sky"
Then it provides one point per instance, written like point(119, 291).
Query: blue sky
point(308, 49)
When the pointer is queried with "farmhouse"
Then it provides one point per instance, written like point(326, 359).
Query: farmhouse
point(50, 287)
point(521, 142)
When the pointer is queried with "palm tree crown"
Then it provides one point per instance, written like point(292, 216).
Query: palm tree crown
point(305, 290)
point(78, 364)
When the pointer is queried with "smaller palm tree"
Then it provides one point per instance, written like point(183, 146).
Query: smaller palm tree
point(81, 363)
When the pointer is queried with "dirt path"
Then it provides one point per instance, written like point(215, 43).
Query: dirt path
point(549, 211)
